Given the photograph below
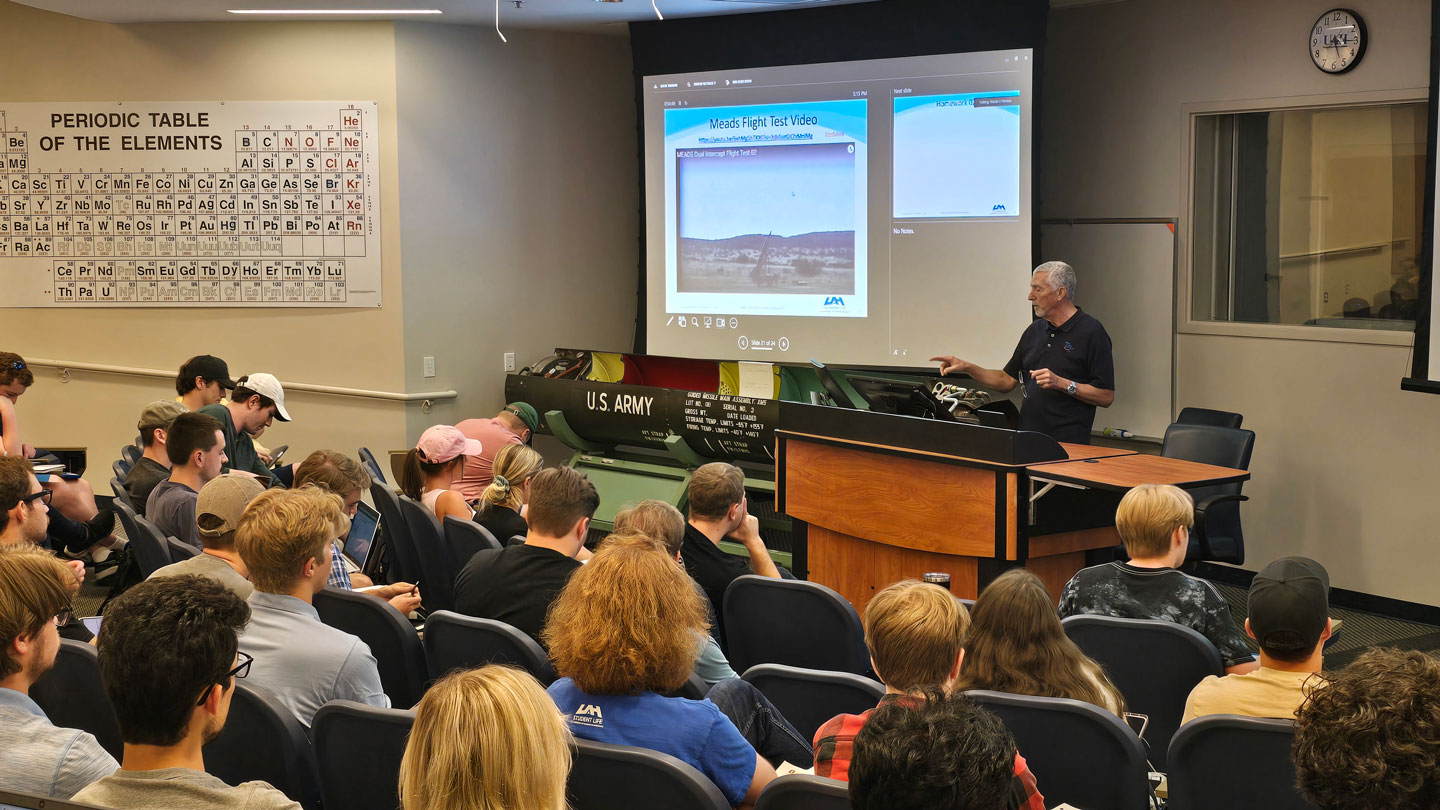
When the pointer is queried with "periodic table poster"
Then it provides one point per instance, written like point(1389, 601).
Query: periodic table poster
point(199, 204)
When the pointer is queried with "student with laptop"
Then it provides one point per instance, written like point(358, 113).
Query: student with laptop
point(217, 514)
point(37, 757)
point(341, 475)
point(169, 663)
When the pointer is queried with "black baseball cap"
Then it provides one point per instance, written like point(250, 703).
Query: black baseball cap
point(1289, 605)
point(210, 367)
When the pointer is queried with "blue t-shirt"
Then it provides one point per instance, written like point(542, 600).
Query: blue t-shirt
point(693, 731)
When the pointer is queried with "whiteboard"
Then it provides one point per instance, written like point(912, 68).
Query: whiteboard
point(1126, 279)
point(174, 204)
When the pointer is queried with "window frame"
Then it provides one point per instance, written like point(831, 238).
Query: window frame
point(1184, 314)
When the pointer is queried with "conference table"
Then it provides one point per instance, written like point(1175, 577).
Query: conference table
point(875, 498)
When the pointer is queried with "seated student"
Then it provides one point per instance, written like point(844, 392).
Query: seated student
point(35, 594)
point(169, 663)
point(154, 464)
point(450, 765)
point(914, 632)
point(1017, 645)
point(1370, 738)
point(1154, 522)
point(622, 633)
point(203, 380)
point(432, 465)
point(25, 510)
point(664, 522)
point(286, 538)
point(196, 447)
point(516, 584)
point(217, 513)
point(256, 401)
point(515, 424)
point(1290, 617)
point(719, 511)
point(509, 489)
point(341, 475)
point(944, 753)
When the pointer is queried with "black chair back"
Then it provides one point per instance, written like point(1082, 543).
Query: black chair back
point(131, 453)
point(264, 740)
point(120, 468)
point(390, 637)
point(622, 777)
point(694, 688)
point(1206, 416)
point(1209, 444)
point(121, 494)
point(1217, 533)
point(465, 538)
point(819, 629)
point(808, 698)
point(1086, 756)
point(147, 543)
point(437, 563)
point(1253, 754)
point(180, 551)
point(358, 750)
point(803, 791)
point(73, 695)
point(396, 532)
point(1155, 664)
point(372, 466)
point(453, 641)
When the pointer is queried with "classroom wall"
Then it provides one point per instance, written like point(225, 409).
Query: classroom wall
point(519, 203)
point(53, 57)
point(1345, 462)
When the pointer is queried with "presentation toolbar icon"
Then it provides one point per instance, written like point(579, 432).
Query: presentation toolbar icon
point(784, 344)
point(744, 342)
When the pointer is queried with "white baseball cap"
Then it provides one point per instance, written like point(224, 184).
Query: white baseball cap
point(267, 386)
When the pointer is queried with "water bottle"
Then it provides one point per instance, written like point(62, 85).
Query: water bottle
point(1117, 433)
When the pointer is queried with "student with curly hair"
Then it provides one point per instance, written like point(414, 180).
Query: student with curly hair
point(1370, 738)
point(1016, 645)
point(452, 762)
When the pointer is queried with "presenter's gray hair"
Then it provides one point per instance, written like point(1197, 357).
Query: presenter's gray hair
point(1059, 274)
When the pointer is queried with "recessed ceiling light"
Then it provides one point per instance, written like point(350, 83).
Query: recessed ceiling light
point(384, 11)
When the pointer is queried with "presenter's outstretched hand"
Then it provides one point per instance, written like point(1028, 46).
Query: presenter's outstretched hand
point(1045, 378)
point(950, 364)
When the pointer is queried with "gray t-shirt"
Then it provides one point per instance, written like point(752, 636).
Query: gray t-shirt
point(181, 789)
point(207, 565)
point(172, 508)
point(142, 480)
point(37, 757)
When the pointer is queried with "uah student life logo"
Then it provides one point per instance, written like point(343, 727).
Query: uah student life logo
point(834, 303)
point(588, 715)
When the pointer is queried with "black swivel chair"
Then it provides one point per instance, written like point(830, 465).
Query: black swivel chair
point(622, 777)
point(437, 562)
point(73, 696)
point(466, 537)
point(1083, 755)
point(396, 533)
point(180, 551)
point(1206, 416)
point(803, 791)
point(1153, 663)
point(808, 698)
point(147, 543)
point(263, 740)
point(358, 749)
point(390, 637)
point(367, 459)
point(453, 641)
point(1252, 754)
point(787, 621)
point(1217, 535)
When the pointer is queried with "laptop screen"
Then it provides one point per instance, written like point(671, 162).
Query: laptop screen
point(362, 533)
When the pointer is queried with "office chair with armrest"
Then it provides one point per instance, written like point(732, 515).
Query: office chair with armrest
point(1217, 535)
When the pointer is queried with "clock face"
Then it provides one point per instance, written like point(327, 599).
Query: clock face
point(1337, 41)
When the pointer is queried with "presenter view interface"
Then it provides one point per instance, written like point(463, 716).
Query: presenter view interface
point(865, 213)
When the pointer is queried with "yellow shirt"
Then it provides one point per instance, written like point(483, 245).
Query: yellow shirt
point(1263, 693)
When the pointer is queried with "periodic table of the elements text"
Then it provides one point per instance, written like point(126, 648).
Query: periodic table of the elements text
point(272, 204)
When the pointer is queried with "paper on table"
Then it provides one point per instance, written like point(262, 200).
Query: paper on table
point(757, 380)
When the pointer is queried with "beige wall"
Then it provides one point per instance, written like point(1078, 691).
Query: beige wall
point(1345, 462)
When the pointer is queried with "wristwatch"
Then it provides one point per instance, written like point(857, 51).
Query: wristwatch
point(1070, 389)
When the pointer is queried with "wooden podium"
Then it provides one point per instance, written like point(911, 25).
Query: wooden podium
point(877, 498)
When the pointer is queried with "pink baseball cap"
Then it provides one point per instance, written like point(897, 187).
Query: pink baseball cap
point(443, 443)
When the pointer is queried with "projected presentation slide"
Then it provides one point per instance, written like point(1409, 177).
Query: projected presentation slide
point(768, 209)
point(957, 155)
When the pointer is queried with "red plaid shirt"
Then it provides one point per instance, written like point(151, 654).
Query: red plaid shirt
point(835, 744)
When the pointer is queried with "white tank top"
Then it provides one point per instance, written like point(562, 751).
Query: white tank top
point(430, 496)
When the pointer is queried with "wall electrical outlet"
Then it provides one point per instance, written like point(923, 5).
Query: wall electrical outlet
point(509, 361)
point(429, 367)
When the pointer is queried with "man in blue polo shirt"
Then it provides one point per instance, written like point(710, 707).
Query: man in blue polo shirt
point(1063, 361)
